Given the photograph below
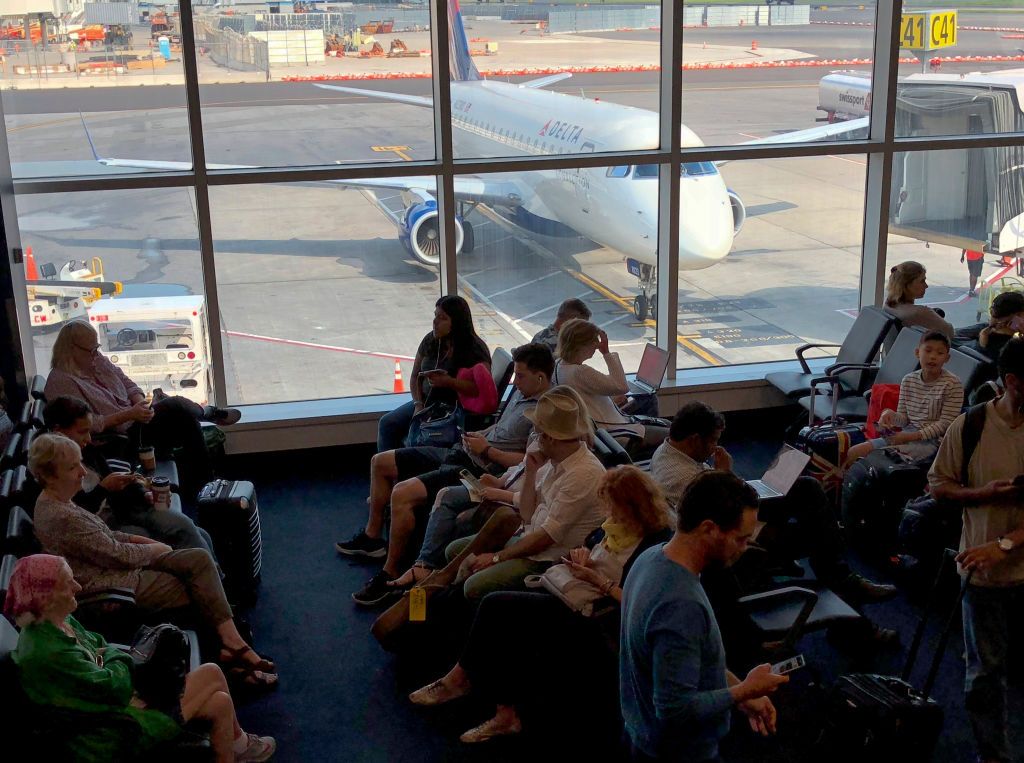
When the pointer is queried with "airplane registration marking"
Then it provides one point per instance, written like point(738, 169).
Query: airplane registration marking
point(399, 150)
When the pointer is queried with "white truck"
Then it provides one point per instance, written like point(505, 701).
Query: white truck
point(158, 342)
point(844, 95)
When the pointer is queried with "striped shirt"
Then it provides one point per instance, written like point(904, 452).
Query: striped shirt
point(930, 407)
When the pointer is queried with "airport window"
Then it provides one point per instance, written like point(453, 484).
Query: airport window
point(303, 268)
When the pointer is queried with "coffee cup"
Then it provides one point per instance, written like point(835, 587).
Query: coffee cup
point(161, 487)
point(147, 457)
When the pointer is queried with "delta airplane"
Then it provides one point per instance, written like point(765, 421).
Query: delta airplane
point(616, 207)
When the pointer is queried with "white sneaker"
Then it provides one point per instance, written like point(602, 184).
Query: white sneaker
point(259, 748)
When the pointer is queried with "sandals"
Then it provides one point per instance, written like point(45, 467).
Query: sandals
point(416, 578)
point(261, 674)
point(489, 730)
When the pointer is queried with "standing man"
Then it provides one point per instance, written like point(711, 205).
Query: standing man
point(991, 547)
point(676, 693)
point(569, 309)
point(975, 262)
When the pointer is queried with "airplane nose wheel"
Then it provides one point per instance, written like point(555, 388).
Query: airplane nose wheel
point(640, 307)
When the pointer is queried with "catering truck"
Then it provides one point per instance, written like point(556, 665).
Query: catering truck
point(159, 342)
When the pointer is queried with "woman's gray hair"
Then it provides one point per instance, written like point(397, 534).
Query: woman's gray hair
point(48, 451)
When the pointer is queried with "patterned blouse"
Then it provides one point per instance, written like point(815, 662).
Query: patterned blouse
point(107, 390)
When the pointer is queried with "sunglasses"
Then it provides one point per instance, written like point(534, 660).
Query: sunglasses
point(91, 350)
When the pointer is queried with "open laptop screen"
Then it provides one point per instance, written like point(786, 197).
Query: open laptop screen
point(652, 366)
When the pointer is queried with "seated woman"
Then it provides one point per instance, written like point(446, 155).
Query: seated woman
point(908, 283)
point(1006, 318)
point(451, 346)
point(119, 404)
point(160, 577)
point(119, 499)
point(61, 664)
point(578, 340)
point(527, 644)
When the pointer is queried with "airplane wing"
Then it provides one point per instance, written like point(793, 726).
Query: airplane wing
point(412, 100)
point(854, 128)
point(545, 81)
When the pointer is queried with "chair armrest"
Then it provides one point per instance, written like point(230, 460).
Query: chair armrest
point(764, 600)
point(804, 348)
point(107, 596)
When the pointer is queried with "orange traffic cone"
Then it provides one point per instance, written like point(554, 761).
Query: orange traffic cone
point(753, 45)
point(31, 271)
point(399, 381)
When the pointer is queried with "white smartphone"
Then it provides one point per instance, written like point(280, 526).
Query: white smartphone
point(472, 484)
point(788, 666)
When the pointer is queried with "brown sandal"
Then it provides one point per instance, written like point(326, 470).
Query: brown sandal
point(236, 660)
point(397, 585)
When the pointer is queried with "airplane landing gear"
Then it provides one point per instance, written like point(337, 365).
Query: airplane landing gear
point(646, 303)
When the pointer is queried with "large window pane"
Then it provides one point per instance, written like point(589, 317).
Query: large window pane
point(140, 251)
point(269, 86)
point(571, 237)
point(752, 72)
point(324, 305)
point(95, 88)
point(606, 58)
point(946, 202)
point(793, 273)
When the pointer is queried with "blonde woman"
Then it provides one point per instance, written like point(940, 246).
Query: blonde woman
point(578, 341)
point(907, 284)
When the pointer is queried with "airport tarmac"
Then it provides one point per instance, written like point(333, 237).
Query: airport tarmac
point(319, 299)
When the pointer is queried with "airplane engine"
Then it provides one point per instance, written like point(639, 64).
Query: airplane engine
point(420, 235)
point(739, 212)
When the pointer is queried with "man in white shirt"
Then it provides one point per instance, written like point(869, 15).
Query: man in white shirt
point(558, 502)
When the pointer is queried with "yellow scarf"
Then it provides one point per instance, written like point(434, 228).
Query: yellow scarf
point(618, 536)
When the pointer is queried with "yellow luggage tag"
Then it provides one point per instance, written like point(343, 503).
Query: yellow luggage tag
point(417, 605)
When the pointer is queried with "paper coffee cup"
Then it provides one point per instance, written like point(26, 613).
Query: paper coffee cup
point(147, 457)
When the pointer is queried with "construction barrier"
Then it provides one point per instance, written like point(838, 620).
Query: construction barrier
point(45, 69)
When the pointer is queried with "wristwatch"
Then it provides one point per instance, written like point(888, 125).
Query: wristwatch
point(496, 559)
point(1005, 544)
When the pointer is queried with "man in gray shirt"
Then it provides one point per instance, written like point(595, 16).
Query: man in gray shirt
point(569, 309)
point(676, 692)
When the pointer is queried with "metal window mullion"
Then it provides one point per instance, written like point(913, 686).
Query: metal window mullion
point(443, 153)
point(202, 194)
point(878, 182)
point(19, 333)
point(670, 119)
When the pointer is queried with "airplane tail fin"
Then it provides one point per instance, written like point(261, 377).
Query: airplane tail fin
point(460, 62)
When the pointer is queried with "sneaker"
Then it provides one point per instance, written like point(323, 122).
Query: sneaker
point(221, 416)
point(862, 590)
point(363, 545)
point(376, 591)
point(259, 748)
point(489, 730)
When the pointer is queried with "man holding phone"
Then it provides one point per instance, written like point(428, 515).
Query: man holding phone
point(991, 546)
point(676, 692)
point(410, 477)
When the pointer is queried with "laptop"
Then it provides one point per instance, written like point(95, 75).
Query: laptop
point(651, 371)
point(789, 464)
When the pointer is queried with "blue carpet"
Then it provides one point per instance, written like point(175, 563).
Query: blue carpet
point(342, 698)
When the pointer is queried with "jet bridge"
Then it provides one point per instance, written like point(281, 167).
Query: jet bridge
point(966, 198)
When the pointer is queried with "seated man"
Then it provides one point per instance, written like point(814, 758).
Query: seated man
point(421, 472)
point(119, 500)
point(801, 522)
point(558, 501)
point(569, 309)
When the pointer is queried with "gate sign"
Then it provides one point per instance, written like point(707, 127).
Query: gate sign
point(930, 30)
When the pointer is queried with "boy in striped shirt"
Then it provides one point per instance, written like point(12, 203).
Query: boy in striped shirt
point(930, 398)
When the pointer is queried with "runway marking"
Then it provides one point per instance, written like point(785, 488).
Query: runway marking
point(317, 346)
point(400, 150)
point(535, 313)
point(43, 124)
point(616, 319)
point(505, 317)
point(520, 286)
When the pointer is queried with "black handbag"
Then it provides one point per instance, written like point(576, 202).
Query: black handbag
point(438, 425)
point(161, 657)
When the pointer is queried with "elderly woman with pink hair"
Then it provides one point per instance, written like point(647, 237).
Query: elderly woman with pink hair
point(63, 665)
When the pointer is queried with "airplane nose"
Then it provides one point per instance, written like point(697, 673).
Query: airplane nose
point(705, 224)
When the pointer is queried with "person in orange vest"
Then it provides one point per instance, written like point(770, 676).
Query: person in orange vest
point(975, 261)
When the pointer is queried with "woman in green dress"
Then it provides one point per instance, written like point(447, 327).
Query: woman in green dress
point(63, 666)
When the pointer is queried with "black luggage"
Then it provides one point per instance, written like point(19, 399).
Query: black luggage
point(875, 490)
point(926, 528)
point(875, 717)
point(827, 444)
point(228, 510)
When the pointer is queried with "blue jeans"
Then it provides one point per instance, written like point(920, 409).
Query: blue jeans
point(441, 529)
point(394, 426)
point(993, 636)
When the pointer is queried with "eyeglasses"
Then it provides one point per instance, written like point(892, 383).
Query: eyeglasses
point(91, 350)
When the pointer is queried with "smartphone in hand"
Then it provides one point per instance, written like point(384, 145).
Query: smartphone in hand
point(788, 666)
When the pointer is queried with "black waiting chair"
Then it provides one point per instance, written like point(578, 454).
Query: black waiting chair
point(898, 362)
point(20, 538)
point(502, 369)
point(858, 349)
point(608, 450)
point(36, 387)
point(785, 614)
point(971, 367)
point(9, 456)
point(6, 570)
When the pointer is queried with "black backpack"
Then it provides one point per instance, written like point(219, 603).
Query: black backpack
point(161, 656)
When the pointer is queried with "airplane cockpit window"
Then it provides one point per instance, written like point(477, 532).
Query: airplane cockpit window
point(621, 172)
point(688, 169)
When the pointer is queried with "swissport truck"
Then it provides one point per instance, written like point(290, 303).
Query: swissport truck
point(158, 342)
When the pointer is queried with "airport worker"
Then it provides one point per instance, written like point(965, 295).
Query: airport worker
point(79, 369)
point(908, 283)
point(451, 346)
point(676, 693)
point(975, 262)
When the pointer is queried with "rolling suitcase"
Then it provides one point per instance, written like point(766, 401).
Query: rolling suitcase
point(827, 444)
point(229, 511)
point(880, 717)
point(875, 490)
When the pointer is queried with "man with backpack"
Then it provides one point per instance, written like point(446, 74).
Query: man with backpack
point(991, 543)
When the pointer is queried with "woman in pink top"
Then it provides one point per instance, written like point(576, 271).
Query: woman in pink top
point(78, 369)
